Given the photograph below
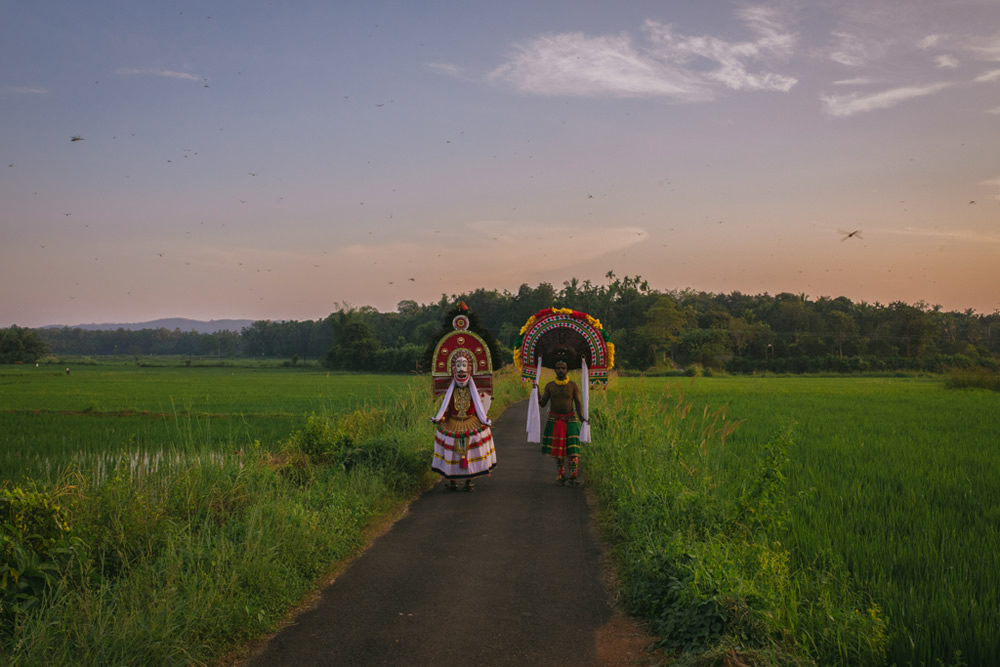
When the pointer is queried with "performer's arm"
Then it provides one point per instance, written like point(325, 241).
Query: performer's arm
point(544, 398)
point(443, 416)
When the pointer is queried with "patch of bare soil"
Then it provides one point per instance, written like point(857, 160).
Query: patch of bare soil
point(624, 642)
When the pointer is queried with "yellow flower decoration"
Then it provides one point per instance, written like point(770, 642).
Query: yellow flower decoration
point(527, 325)
point(611, 355)
point(517, 359)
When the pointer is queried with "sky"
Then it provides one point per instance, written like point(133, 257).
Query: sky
point(263, 160)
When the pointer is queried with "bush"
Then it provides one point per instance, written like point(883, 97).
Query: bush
point(974, 378)
point(36, 545)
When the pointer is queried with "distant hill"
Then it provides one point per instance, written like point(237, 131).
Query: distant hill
point(170, 323)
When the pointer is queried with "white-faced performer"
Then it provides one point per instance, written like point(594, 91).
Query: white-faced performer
point(463, 443)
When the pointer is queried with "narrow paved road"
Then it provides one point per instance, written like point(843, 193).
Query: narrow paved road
point(509, 574)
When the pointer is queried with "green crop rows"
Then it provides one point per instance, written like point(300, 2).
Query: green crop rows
point(898, 480)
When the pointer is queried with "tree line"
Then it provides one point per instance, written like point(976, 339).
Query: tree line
point(651, 329)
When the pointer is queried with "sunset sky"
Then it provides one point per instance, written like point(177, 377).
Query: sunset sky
point(269, 160)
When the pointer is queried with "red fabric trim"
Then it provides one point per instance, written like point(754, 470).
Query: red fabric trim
point(559, 437)
point(486, 440)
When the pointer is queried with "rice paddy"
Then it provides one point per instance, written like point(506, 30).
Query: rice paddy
point(898, 479)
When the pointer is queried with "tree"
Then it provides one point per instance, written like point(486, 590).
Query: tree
point(20, 345)
point(842, 327)
point(354, 340)
point(664, 321)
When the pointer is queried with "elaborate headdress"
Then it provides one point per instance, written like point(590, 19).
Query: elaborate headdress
point(462, 341)
point(561, 334)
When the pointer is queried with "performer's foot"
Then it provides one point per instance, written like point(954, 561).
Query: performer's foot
point(560, 480)
point(452, 486)
point(573, 481)
point(469, 486)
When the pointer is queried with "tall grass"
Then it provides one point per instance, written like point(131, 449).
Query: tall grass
point(174, 558)
point(695, 542)
point(894, 482)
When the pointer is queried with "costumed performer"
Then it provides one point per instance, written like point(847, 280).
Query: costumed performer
point(463, 445)
point(561, 438)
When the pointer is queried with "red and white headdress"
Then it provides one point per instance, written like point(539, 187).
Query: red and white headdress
point(462, 341)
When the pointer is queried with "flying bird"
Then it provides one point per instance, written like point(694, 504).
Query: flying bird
point(76, 138)
point(855, 233)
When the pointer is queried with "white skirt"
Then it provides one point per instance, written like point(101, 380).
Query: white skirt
point(464, 455)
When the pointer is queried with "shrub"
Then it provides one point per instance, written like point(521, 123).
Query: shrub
point(36, 545)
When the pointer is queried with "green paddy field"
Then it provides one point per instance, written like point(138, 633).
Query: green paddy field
point(895, 480)
point(898, 479)
point(91, 416)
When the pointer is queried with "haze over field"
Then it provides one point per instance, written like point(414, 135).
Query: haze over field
point(250, 160)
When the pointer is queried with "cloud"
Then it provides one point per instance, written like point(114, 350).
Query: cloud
point(995, 110)
point(670, 65)
point(961, 235)
point(445, 69)
point(848, 105)
point(988, 77)
point(507, 243)
point(577, 64)
point(946, 62)
point(852, 51)
point(930, 41)
point(516, 252)
point(25, 90)
point(994, 183)
point(988, 49)
point(170, 74)
point(856, 81)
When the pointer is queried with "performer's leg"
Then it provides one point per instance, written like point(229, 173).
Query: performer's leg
point(560, 464)
point(574, 466)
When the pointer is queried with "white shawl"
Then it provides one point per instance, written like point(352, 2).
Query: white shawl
point(534, 426)
point(480, 412)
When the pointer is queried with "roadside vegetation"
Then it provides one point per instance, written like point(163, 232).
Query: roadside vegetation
point(176, 555)
point(166, 514)
point(830, 521)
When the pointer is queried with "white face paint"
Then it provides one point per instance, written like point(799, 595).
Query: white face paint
point(460, 371)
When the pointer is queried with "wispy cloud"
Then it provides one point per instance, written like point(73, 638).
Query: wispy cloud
point(987, 49)
point(149, 71)
point(667, 64)
point(848, 105)
point(24, 90)
point(988, 77)
point(994, 183)
point(852, 51)
point(856, 81)
point(577, 64)
point(994, 110)
point(930, 41)
point(553, 246)
point(946, 61)
point(962, 235)
point(446, 69)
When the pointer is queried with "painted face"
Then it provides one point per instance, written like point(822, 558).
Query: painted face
point(561, 370)
point(460, 371)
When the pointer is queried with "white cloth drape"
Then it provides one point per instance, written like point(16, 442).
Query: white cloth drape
point(534, 425)
point(585, 390)
point(480, 412)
